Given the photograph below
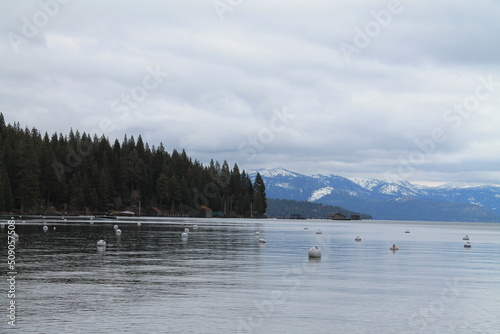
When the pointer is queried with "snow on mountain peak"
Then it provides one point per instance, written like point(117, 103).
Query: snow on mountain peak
point(459, 185)
point(273, 172)
point(322, 192)
point(366, 183)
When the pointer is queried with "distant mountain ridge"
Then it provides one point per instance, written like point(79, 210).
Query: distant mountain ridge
point(387, 200)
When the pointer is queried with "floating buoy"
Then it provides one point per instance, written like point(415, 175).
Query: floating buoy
point(467, 245)
point(184, 235)
point(195, 226)
point(15, 236)
point(314, 252)
point(466, 237)
point(394, 247)
point(138, 223)
point(306, 228)
point(407, 231)
point(54, 228)
point(115, 227)
point(319, 232)
point(186, 230)
point(101, 245)
point(118, 232)
point(358, 238)
point(262, 240)
point(257, 233)
point(45, 228)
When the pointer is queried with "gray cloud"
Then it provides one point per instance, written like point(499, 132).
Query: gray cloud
point(227, 79)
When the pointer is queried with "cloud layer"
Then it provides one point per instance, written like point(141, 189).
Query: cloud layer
point(387, 89)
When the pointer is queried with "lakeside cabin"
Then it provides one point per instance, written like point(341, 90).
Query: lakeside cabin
point(206, 212)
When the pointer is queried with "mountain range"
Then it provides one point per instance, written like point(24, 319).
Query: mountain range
point(399, 200)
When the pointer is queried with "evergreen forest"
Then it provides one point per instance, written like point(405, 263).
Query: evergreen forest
point(285, 208)
point(83, 174)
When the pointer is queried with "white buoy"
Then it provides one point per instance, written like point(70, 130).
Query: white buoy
point(115, 227)
point(118, 232)
point(15, 236)
point(358, 238)
point(466, 237)
point(138, 223)
point(184, 235)
point(262, 240)
point(257, 232)
point(467, 245)
point(54, 228)
point(394, 247)
point(319, 232)
point(101, 245)
point(314, 252)
point(186, 230)
point(195, 226)
point(45, 228)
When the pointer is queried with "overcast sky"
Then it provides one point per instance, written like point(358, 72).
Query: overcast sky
point(385, 89)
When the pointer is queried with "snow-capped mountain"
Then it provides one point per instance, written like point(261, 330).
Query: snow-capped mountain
point(386, 200)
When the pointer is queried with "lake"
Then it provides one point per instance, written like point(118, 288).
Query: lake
point(221, 279)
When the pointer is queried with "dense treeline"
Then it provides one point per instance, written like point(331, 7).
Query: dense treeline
point(288, 208)
point(77, 172)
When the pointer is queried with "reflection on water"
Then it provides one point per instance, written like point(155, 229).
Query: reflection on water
point(222, 280)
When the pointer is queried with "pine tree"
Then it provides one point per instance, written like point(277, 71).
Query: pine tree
point(105, 189)
point(259, 199)
point(27, 176)
point(6, 202)
point(174, 191)
point(76, 195)
point(50, 185)
point(162, 189)
point(2, 124)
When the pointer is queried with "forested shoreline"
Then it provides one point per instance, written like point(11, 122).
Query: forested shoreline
point(79, 172)
point(286, 208)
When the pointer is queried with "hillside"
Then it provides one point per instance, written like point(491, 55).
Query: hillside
point(284, 208)
point(387, 200)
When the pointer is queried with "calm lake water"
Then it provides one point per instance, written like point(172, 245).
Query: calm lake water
point(222, 280)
